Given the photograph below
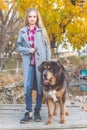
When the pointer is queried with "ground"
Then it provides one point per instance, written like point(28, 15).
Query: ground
point(8, 78)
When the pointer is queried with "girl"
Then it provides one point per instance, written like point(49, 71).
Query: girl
point(33, 44)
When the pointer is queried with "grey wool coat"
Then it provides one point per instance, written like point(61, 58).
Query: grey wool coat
point(42, 54)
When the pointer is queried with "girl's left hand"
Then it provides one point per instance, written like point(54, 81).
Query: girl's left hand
point(32, 50)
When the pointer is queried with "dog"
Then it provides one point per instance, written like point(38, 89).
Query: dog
point(55, 81)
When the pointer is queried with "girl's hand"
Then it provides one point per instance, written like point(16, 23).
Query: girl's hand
point(32, 50)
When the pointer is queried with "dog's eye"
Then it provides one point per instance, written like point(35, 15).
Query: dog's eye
point(45, 66)
point(48, 67)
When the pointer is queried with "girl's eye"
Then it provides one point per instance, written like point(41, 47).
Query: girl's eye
point(29, 16)
point(32, 16)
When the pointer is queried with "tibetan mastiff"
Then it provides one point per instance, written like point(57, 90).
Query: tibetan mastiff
point(55, 82)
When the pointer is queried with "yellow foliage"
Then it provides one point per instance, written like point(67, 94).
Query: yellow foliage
point(77, 33)
point(59, 17)
point(3, 5)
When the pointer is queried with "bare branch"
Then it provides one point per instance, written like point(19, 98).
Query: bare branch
point(7, 16)
point(1, 16)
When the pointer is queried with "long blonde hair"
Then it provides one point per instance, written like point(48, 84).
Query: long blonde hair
point(39, 23)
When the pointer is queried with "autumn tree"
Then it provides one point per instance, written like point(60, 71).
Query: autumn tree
point(9, 26)
point(62, 18)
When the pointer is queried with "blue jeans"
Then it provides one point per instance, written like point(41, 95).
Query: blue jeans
point(28, 97)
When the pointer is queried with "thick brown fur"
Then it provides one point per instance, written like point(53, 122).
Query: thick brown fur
point(55, 81)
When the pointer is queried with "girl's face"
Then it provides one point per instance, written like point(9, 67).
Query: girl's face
point(32, 18)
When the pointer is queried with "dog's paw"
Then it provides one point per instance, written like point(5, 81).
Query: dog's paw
point(63, 121)
point(49, 122)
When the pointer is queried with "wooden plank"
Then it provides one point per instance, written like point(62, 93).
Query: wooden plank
point(11, 106)
point(22, 106)
point(10, 116)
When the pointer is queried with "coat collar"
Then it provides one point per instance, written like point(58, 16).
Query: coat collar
point(24, 30)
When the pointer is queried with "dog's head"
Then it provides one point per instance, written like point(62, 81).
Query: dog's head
point(51, 73)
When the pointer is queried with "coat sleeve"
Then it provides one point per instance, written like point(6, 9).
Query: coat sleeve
point(19, 45)
point(48, 52)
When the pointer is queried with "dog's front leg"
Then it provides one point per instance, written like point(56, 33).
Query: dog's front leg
point(62, 112)
point(50, 111)
point(56, 109)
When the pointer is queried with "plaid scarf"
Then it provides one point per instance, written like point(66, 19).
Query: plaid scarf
point(31, 34)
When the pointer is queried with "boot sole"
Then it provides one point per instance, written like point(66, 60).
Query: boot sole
point(25, 122)
point(38, 120)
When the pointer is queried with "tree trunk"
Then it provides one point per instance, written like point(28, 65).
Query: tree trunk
point(1, 62)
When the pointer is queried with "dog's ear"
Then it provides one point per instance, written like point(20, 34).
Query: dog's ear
point(40, 67)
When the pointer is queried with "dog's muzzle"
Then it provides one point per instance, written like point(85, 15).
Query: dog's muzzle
point(45, 78)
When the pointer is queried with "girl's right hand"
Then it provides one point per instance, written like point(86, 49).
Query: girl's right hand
point(32, 50)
